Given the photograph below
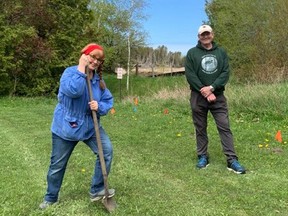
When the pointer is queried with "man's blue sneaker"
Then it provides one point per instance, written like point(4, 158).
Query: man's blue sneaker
point(203, 162)
point(101, 194)
point(236, 167)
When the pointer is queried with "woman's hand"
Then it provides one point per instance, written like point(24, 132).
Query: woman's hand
point(83, 61)
point(93, 105)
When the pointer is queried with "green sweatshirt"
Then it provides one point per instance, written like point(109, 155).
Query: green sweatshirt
point(207, 67)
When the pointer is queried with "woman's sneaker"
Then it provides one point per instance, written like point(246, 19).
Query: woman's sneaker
point(45, 204)
point(101, 194)
point(236, 167)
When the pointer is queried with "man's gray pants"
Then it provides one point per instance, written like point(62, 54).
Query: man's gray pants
point(200, 107)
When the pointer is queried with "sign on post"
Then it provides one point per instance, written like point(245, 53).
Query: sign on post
point(119, 72)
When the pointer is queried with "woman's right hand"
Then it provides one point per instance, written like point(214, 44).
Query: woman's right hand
point(83, 61)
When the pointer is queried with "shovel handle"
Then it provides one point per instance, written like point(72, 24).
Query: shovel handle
point(99, 143)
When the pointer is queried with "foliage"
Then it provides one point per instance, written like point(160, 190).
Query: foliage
point(153, 170)
point(40, 38)
point(253, 32)
point(36, 39)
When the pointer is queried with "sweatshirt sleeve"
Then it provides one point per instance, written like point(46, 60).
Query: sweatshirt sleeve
point(223, 78)
point(191, 74)
point(73, 82)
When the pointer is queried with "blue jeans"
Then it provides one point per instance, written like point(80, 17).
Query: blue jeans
point(61, 152)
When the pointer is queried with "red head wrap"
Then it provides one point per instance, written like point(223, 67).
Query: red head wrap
point(92, 47)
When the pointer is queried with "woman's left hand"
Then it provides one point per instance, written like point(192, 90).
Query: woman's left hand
point(93, 105)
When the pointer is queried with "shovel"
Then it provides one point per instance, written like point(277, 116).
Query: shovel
point(109, 203)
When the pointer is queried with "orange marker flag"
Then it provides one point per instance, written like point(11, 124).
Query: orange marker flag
point(113, 111)
point(166, 111)
point(278, 136)
point(136, 101)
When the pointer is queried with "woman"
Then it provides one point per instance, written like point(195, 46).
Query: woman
point(72, 122)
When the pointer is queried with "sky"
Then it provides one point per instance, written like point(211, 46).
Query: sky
point(174, 23)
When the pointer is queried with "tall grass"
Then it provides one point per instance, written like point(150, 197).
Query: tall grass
point(153, 169)
point(141, 86)
point(259, 101)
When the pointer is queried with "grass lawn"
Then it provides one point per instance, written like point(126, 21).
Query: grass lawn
point(153, 169)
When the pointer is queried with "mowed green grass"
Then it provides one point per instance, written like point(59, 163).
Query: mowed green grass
point(153, 169)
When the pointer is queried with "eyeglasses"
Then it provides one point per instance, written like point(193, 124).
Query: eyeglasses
point(97, 59)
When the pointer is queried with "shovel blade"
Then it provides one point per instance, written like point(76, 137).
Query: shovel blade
point(110, 204)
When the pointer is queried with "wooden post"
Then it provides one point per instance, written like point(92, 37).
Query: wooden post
point(136, 69)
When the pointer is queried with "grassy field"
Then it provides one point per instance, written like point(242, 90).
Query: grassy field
point(153, 169)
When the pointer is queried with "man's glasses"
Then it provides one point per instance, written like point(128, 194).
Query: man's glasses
point(96, 59)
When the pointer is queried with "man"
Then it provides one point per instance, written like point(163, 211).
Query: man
point(207, 72)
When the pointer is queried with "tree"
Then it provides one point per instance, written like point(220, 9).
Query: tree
point(254, 35)
point(133, 12)
point(38, 40)
point(118, 27)
point(20, 47)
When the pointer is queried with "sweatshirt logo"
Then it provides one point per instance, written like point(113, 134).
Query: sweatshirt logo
point(209, 64)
